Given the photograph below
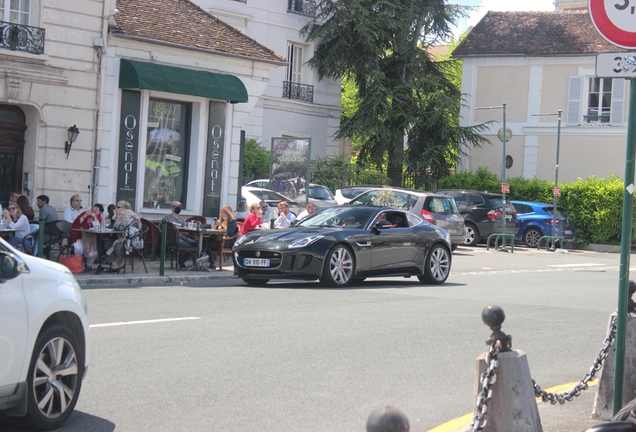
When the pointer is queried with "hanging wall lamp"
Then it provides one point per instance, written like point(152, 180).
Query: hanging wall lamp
point(73, 132)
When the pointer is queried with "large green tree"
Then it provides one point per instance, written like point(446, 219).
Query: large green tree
point(401, 91)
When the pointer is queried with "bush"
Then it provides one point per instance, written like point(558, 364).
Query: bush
point(595, 205)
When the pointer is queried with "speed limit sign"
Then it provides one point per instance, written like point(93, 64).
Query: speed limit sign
point(615, 20)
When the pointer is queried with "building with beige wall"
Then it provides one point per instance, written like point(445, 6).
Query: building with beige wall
point(539, 63)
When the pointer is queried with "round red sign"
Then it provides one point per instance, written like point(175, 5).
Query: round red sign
point(615, 20)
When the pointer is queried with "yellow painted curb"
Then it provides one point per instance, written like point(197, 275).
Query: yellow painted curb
point(461, 423)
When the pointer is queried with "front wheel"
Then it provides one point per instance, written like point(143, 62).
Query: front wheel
point(437, 266)
point(532, 236)
point(255, 282)
point(471, 235)
point(339, 267)
point(54, 378)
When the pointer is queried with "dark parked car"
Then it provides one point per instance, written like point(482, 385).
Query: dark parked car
point(482, 212)
point(535, 221)
point(434, 208)
point(338, 245)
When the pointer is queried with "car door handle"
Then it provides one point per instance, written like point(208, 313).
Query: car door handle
point(367, 244)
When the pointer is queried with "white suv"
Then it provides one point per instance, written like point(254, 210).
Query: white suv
point(43, 340)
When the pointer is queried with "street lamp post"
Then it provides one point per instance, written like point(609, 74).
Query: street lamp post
point(504, 135)
point(556, 174)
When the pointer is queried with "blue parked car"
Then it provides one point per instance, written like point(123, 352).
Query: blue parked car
point(535, 221)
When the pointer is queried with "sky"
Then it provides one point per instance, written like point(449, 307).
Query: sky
point(499, 5)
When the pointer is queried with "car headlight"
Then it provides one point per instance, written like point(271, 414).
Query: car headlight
point(304, 241)
point(240, 240)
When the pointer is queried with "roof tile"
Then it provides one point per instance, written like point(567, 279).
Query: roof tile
point(533, 34)
point(181, 22)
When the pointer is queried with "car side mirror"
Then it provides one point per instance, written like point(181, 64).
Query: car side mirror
point(9, 268)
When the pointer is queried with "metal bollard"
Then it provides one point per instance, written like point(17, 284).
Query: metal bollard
point(387, 419)
point(162, 254)
point(503, 386)
point(40, 252)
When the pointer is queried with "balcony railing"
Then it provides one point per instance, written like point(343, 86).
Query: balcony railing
point(302, 7)
point(18, 37)
point(292, 90)
point(597, 118)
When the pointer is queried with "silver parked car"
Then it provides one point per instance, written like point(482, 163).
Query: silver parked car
point(434, 208)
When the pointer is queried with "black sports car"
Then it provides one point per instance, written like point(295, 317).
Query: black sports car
point(339, 245)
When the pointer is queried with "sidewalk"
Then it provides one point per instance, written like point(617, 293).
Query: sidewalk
point(140, 277)
point(574, 416)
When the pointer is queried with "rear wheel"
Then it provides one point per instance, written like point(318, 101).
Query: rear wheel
point(159, 171)
point(471, 235)
point(531, 237)
point(255, 282)
point(339, 267)
point(54, 378)
point(438, 265)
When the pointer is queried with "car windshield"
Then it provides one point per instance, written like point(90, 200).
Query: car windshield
point(497, 204)
point(267, 195)
point(350, 217)
point(385, 198)
point(320, 193)
point(549, 210)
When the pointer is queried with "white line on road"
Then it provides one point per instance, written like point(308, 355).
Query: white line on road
point(576, 265)
point(143, 322)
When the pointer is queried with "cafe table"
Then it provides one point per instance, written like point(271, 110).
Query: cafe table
point(101, 235)
point(200, 233)
point(5, 233)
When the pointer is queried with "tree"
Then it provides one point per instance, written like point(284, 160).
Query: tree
point(380, 45)
point(256, 160)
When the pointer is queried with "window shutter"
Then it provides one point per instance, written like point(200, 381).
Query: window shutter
point(618, 102)
point(575, 90)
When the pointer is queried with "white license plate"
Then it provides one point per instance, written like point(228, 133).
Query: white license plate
point(508, 217)
point(568, 232)
point(256, 262)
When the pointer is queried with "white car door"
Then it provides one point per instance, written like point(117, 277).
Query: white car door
point(13, 329)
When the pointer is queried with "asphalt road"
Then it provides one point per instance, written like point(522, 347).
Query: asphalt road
point(299, 357)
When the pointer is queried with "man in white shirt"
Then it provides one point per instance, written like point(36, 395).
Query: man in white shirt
point(74, 210)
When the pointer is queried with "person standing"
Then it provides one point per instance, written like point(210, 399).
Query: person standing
point(74, 210)
point(253, 221)
point(46, 209)
point(285, 217)
point(13, 218)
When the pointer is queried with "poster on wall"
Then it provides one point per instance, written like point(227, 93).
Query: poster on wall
point(214, 160)
point(291, 167)
point(167, 150)
point(128, 146)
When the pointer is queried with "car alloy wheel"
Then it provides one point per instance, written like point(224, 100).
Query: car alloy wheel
point(438, 265)
point(471, 237)
point(531, 237)
point(339, 268)
point(55, 378)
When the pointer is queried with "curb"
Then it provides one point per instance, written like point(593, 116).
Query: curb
point(88, 281)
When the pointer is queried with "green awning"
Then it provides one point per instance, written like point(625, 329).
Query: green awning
point(150, 76)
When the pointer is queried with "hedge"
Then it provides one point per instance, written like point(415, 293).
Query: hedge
point(595, 205)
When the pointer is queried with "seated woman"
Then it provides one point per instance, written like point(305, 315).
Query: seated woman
point(85, 243)
point(127, 221)
point(25, 207)
point(227, 224)
point(253, 221)
point(13, 218)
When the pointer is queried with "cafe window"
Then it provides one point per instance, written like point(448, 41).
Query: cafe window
point(167, 152)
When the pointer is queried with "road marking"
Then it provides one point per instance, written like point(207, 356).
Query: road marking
point(143, 322)
point(462, 423)
point(576, 265)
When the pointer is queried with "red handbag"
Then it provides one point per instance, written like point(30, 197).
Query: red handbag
point(74, 263)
